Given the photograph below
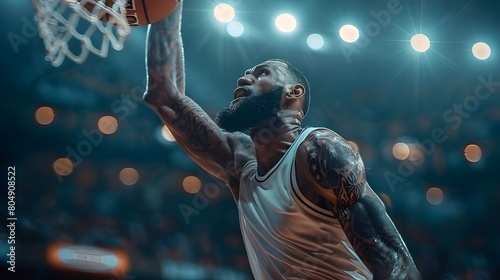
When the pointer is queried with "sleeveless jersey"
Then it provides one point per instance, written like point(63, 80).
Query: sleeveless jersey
point(286, 236)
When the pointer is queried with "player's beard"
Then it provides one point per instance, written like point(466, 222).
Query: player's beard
point(250, 111)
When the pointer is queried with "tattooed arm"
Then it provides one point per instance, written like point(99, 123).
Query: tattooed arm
point(339, 175)
point(209, 146)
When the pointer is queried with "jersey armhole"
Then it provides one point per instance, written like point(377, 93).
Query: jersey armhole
point(302, 201)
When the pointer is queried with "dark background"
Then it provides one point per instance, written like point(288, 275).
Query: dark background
point(382, 94)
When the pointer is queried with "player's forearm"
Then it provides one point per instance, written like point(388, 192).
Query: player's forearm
point(377, 241)
point(165, 60)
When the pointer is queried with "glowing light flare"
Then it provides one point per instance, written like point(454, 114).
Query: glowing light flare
point(167, 134)
point(224, 12)
point(235, 28)
point(63, 166)
point(349, 33)
point(286, 22)
point(315, 41)
point(107, 124)
point(401, 151)
point(435, 195)
point(129, 176)
point(191, 184)
point(87, 258)
point(420, 42)
point(481, 50)
point(44, 115)
point(473, 153)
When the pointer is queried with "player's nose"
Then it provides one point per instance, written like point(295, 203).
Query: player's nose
point(245, 80)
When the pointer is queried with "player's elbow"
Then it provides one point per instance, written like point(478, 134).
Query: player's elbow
point(159, 97)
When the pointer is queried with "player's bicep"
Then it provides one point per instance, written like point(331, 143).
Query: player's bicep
point(338, 169)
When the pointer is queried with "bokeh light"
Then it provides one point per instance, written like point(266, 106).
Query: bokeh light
point(91, 259)
point(386, 199)
point(167, 134)
point(401, 151)
point(129, 176)
point(235, 28)
point(473, 153)
point(44, 115)
point(481, 50)
point(63, 166)
point(224, 12)
point(416, 154)
point(107, 124)
point(191, 184)
point(435, 195)
point(286, 23)
point(315, 41)
point(354, 145)
point(420, 42)
point(349, 33)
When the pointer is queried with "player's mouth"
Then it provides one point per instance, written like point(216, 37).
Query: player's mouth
point(240, 92)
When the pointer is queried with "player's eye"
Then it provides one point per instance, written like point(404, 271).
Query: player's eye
point(262, 73)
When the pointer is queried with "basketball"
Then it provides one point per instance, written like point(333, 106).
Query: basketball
point(138, 12)
point(143, 12)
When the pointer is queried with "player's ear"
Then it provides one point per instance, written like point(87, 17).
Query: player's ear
point(294, 97)
point(295, 91)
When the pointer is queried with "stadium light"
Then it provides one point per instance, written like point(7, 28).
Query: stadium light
point(420, 42)
point(315, 41)
point(224, 12)
point(286, 23)
point(481, 50)
point(349, 33)
point(235, 28)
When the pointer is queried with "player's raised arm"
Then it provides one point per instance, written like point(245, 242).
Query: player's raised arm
point(194, 130)
point(337, 168)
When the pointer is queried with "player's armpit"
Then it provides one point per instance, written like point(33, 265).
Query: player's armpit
point(337, 167)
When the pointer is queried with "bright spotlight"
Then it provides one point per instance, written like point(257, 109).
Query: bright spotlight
point(286, 23)
point(420, 43)
point(235, 28)
point(224, 12)
point(349, 33)
point(481, 50)
point(315, 41)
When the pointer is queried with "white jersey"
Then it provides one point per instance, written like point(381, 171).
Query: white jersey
point(285, 235)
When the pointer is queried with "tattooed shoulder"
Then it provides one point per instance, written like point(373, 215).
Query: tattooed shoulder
point(336, 165)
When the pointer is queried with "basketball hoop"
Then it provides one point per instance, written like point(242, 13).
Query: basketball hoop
point(90, 25)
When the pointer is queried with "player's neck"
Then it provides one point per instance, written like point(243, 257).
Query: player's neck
point(273, 137)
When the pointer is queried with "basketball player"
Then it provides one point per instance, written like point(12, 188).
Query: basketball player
point(306, 210)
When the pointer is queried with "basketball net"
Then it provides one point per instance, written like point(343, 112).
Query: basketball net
point(62, 21)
